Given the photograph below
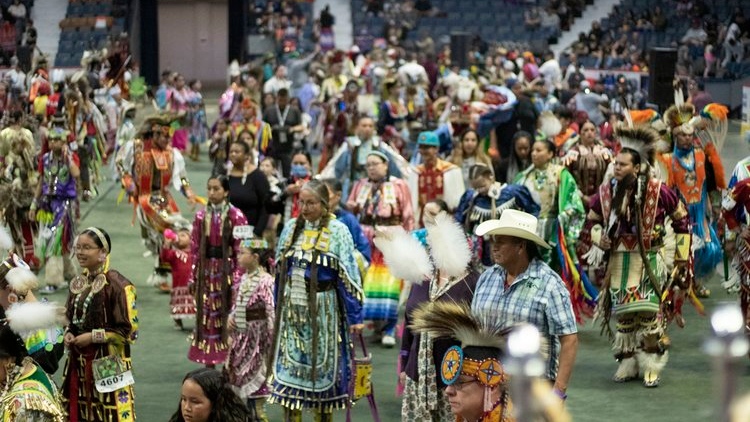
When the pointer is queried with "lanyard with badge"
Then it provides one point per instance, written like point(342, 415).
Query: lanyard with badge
point(283, 138)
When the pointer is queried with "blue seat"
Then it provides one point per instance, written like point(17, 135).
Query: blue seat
point(68, 35)
point(65, 46)
point(74, 9)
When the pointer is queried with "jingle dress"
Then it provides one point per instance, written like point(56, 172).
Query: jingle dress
point(318, 296)
point(109, 305)
point(33, 397)
point(216, 276)
point(381, 204)
point(251, 341)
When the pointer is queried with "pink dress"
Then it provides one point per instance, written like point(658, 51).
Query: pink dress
point(179, 102)
point(251, 341)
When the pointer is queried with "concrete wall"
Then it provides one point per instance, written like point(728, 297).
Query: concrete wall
point(193, 39)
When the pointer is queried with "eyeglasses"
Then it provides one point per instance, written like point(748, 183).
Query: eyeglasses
point(309, 204)
point(85, 248)
point(459, 385)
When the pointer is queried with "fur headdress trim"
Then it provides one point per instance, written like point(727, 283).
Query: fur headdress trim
point(21, 280)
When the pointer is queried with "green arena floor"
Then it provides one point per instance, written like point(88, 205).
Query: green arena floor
point(687, 391)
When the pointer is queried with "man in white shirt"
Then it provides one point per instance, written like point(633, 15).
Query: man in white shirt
point(277, 82)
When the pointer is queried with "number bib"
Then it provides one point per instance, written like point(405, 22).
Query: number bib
point(111, 374)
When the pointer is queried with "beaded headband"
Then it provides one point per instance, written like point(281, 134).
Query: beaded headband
point(100, 235)
point(254, 244)
point(489, 372)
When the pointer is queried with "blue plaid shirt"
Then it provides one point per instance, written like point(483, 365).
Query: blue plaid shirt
point(537, 296)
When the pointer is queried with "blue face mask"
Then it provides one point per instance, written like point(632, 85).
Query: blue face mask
point(299, 171)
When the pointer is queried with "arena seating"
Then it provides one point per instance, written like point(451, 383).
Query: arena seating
point(675, 29)
point(493, 20)
point(90, 24)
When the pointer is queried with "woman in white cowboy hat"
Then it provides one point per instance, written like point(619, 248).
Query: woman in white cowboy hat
point(523, 288)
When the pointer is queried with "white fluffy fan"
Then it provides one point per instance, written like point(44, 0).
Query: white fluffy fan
point(6, 242)
point(31, 316)
point(405, 257)
point(448, 246)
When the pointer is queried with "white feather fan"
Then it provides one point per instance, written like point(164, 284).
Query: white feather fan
point(448, 245)
point(405, 257)
point(6, 242)
point(31, 316)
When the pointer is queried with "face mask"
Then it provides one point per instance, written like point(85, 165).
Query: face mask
point(299, 170)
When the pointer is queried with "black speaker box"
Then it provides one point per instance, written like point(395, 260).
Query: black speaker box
point(460, 45)
point(661, 75)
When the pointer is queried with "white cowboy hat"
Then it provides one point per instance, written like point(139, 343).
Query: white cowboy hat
point(513, 223)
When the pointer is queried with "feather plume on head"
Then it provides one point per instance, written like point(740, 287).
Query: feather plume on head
point(405, 257)
point(450, 319)
point(679, 118)
point(642, 140)
point(448, 246)
point(21, 280)
point(32, 316)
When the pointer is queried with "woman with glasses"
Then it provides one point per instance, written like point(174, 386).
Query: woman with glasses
point(216, 274)
point(383, 201)
point(319, 302)
point(97, 383)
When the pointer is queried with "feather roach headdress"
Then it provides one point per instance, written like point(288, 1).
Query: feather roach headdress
point(482, 344)
point(450, 319)
point(641, 139)
point(681, 118)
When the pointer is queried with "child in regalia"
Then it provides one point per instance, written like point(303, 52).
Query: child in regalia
point(176, 252)
point(252, 325)
point(215, 272)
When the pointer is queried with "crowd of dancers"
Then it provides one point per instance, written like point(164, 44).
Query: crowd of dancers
point(429, 198)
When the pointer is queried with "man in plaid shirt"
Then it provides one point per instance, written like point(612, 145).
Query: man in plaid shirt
point(521, 288)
